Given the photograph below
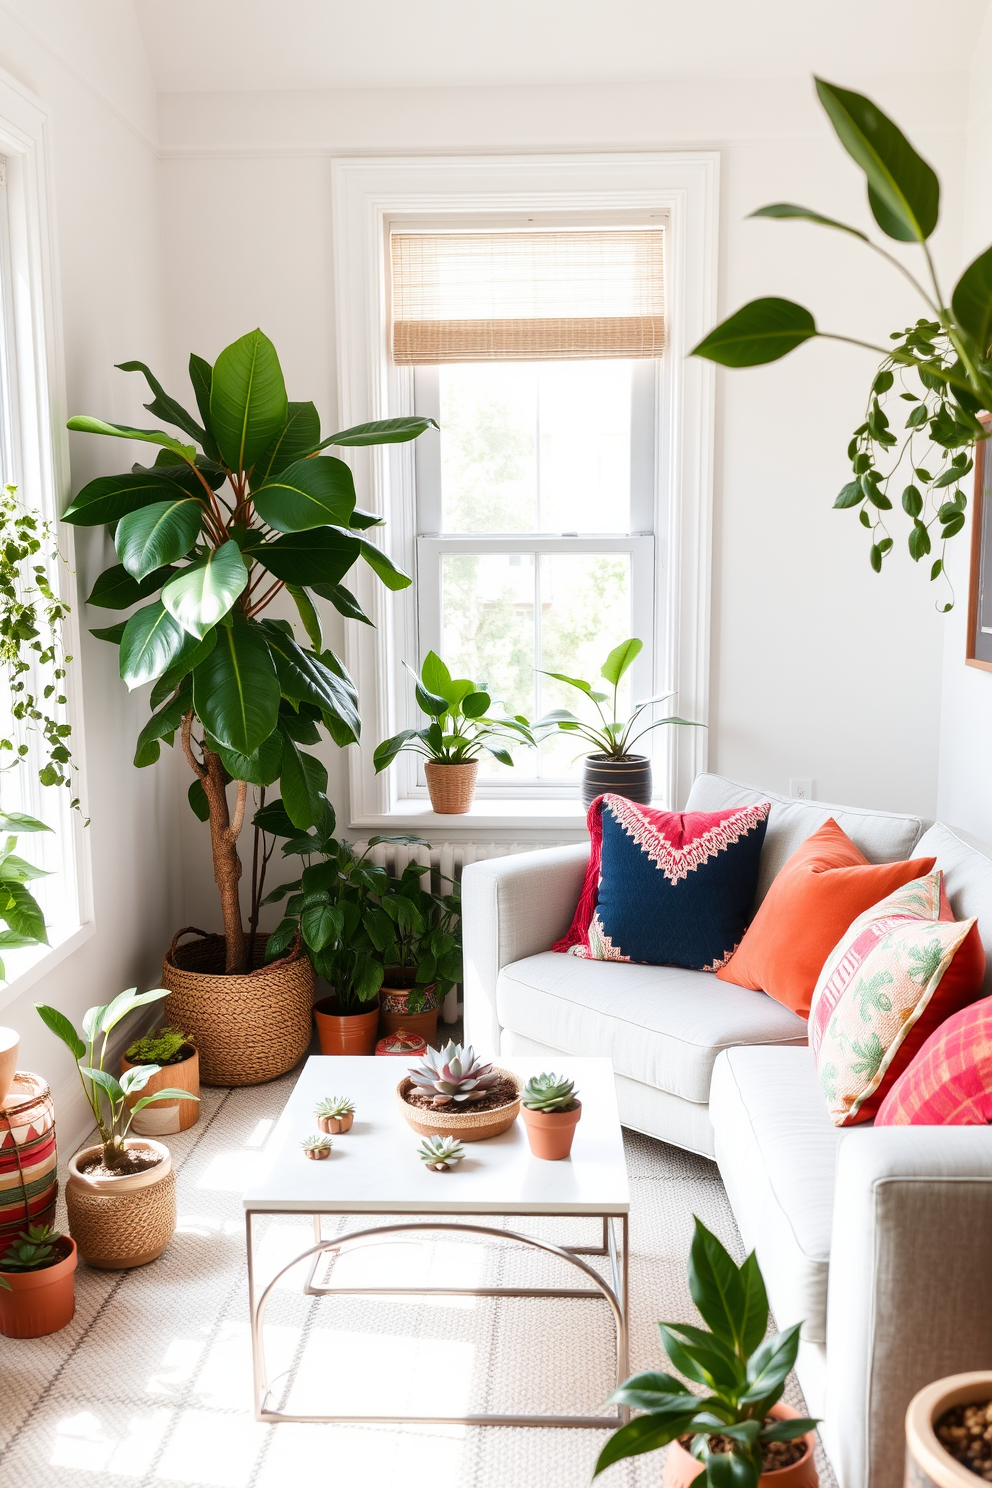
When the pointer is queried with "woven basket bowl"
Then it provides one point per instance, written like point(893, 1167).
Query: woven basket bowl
point(122, 1222)
point(464, 1126)
point(247, 1028)
point(451, 787)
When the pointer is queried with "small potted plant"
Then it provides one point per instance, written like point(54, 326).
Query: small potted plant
point(441, 1154)
point(37, 1290)
point(316, 1147)
point(460, 729)
point(335, 1114)
point(452, 1093)
point(424, 959)
point(551, 1111)
point(613, 766)
point(740, 1413)
point(121, 1193)
point(179, 1067)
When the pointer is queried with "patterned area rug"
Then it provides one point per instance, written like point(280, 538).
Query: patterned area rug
point(150, 1385)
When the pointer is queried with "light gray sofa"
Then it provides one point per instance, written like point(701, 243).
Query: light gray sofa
point(878, 1241)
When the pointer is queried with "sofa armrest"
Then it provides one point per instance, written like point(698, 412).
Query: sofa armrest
point(512, 907)
point(910, 1287)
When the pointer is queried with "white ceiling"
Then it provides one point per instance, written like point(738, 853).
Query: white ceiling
point(231, 45)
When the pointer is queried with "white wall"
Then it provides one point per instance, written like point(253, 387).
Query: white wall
point(106, 200)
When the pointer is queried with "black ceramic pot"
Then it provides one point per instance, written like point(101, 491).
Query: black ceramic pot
point(630, 777)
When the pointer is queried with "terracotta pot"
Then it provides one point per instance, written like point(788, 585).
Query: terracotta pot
point(629, 777)
point(27, 1145)
point(10, 1042)
point(451, 787)
point(333, 1126)
point(39, 1302)
point(465, 1126)
point(394, 1014)
point(402, 1045)
point(349, 1033)
point(317, 1153)
point(681, 1469)
point(550, 1133)
point(928, 1464)
point(166, 1117)
point(122, 1220)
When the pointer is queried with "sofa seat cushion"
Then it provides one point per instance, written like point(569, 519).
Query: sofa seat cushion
point(659, 1024)
point(777, 1147)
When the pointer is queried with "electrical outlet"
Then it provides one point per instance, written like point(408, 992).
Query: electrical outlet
point(801, 790)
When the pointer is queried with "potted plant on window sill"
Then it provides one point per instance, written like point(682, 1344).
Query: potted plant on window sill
point(460, 729)
point(179, 1067)
point(613, 766)
point(37, 1283)
point(242, 506)
point(121, 1193)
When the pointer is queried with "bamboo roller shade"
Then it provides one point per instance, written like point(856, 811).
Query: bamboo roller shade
point(527, 296)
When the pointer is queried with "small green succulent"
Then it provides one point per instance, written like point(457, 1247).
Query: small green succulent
point(34, 1247)
point(549, 1093)
point(440, 1153)
point(334, 1107)
point(317, 1144)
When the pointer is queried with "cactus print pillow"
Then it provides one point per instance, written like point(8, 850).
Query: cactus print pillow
point(902, 968)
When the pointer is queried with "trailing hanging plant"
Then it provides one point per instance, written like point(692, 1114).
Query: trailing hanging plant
point(939, 365)
point(243, 506)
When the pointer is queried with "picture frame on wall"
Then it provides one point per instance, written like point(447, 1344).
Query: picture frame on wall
point(979, 647)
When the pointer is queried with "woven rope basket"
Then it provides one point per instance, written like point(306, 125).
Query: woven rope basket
point(116, 1231)
point(451, 787)
point(248, 1028)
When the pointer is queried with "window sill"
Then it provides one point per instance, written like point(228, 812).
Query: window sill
point(507, 817)
point(30, 965)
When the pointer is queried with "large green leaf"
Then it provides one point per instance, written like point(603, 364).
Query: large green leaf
point(643, 1434)
point(755, 1305)
point(110, 497)
point(114, 634)
point(322, 556)
point(731, 1470)
point(308, 493)
point(620, 659)
point(200, 595)
point(297, 438)
point(151, 642)
point(972, 301)
point(382, 431)
point(308, 614)
point(248, 403)
point(768, 1368)
point(302, 781)
point(158, 534)
point(83, 423)
point(784, 210)
point(307, 679)
point(260, 768)
point(716, 1287)
point(385, 568)
point(343, 601)
point(188, 658)
point(115, 589)
point(22, 912)
point(162, 725)
point(760, 331)
point(59, 1024)
point(903, 191)
point(162, 406)
point(201, 376)
point(236, 690)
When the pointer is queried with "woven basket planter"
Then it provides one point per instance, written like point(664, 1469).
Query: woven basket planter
point(247, 1028)
point(27, 1146)
point(166, 1117)
point(451, 787)
point(125, 1221)
point(463, 1125)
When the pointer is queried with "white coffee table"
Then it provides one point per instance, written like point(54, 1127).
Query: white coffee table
point(375, 1169)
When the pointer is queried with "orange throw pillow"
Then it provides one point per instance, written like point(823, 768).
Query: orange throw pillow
point(812, 902)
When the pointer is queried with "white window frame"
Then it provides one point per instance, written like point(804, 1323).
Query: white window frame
point(35, 448)
point(368, 197)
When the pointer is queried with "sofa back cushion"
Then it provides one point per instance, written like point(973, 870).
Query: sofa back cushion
point(966, 865)
point(882, 836)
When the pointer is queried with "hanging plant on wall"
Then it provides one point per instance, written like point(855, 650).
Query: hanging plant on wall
point(244, 505)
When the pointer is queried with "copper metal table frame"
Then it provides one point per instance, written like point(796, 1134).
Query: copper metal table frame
point(600, 1290)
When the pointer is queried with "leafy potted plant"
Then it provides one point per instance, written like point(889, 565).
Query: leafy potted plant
point(179, 1067)
point(424, 959)
point(37, 1283)
point(740, 1416)
point(613, 766)
point(121, 1193)
point(551, 1111)
point(453, 1093)
point(242, 506)
point(460, 729)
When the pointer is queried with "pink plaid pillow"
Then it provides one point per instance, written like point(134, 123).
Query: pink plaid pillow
point(949, 1083)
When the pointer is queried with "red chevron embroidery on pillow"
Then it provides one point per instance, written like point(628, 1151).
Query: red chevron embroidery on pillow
point(678, 842)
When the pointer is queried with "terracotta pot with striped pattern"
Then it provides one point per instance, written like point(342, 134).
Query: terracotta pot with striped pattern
point(28, 1159)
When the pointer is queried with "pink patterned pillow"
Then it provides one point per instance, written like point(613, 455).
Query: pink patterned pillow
point(949, 1083)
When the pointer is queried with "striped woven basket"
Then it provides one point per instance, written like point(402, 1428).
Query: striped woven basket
point(28, 1159)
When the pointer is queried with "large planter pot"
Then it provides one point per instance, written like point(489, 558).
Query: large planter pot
point(10, 1042)
point(248, 1028)
point(629, 777)
point(394, 1014)
point(451, 787)
point(681, 1469)
point(122, 1220)
point(166, 1117)
point(345, 1033)
point(928, 1463)
point(39, 1302)
point(28, 1159)
point(463, 1125)
point(550, 1133)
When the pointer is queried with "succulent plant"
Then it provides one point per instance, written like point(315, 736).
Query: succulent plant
point(549, 1093)
point(34, 1247)
point(453, 1074)
point(440, 1153)
point(316, 1147)
point(335, 1107)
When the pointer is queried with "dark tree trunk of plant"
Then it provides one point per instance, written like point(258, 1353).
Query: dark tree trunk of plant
point(224, 832)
